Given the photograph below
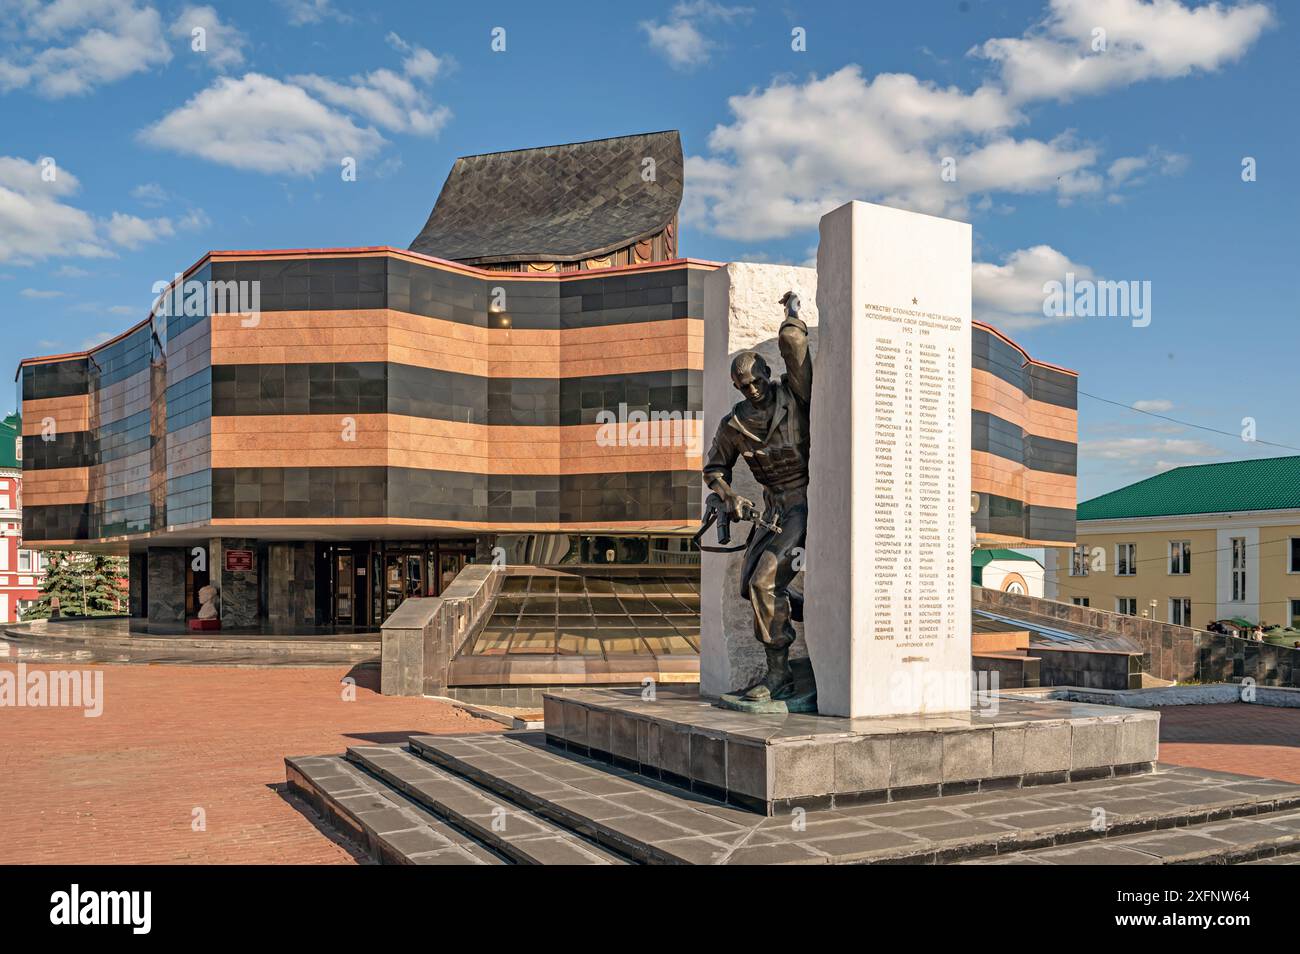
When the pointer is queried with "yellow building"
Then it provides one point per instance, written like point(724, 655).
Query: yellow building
point(1191, 545)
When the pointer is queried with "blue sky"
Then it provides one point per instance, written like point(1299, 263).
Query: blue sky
point(1119, 162)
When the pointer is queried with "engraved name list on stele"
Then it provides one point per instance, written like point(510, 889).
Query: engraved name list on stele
point(914, 357)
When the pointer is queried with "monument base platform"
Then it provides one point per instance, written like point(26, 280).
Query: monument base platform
point(801, 699)
point(774, 763)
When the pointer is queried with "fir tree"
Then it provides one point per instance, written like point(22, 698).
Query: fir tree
point(86, 584)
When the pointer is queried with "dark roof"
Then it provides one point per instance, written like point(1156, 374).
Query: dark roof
point(556, 203)
point(1270, 483)
point(11, 429)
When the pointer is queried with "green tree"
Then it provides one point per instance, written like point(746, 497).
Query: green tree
point(86, 584)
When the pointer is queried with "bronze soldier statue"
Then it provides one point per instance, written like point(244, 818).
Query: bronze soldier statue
point(770, 430)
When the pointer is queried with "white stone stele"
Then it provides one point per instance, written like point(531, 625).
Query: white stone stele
point(742, 312)
point(888, 570)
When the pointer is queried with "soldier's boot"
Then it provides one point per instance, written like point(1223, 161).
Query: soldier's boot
point(778, 681)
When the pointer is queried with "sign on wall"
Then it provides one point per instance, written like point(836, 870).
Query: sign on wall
point(238, 560)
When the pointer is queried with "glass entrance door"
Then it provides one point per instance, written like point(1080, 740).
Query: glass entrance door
point(345, 604)
point(394, 584)
point(450, 563)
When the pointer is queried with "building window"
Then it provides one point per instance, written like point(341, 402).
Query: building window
point(1126, 559)
point(1081, 601)
point(1079, 560)
point(1180, 611)
point(1293, 562)
point(24, 561)
point(1126, 605)
point(1295, 614)
point(1238, 569)
point(1180, 557)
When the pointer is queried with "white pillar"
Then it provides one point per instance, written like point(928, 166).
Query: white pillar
point(742, 312)
point(887, 618)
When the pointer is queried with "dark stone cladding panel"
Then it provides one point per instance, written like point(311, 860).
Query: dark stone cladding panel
point(121, 359)
point(412, 493)
point(385, 388)
point(332, 284)
point(55, 379)
point(56, 522)
point(1007, 516)
point(115, 516)
point(64, 449)
point(189, 400)
point(990, 353)
point(115, 441)
point(1004, 439)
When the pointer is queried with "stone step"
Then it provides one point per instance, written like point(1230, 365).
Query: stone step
point(493, 821)
point(1270, 838)
point(379, 819)
point(655, 822)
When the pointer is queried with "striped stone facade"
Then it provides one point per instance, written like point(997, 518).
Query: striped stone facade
point(1024, 444)
point(379, 389)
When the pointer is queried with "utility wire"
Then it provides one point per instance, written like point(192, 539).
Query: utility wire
point(1174, 420)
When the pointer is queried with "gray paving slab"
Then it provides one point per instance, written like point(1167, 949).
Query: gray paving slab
point(395, 830)
point(496, 822)
point(655, 822)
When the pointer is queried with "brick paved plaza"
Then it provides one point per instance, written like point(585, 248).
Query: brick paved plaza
point(1246, 739)
point(123, 787)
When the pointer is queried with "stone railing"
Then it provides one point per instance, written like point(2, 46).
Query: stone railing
point(424, 634)
point(1175, 653)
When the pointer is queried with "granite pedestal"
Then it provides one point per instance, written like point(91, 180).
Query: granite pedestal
point(772, 764)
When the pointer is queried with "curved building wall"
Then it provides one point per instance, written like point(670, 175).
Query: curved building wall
point(379, 392)
point(377, 388)
point(1024, 444)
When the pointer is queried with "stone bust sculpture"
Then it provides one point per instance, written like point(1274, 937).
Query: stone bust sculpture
point(769, 428)
point(207, 602)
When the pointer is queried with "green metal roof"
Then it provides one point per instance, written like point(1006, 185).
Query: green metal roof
point(1272, 483)
point(11, 429)
point(981, 558)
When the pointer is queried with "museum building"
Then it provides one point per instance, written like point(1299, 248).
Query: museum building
point(322, 433)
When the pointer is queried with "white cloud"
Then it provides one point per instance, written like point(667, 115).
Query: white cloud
point(1164, 39)
point(132, 231)
point(69, 47)
point(261, 124)
point(123, 310)
point(150, 193)
point(195, 220)
point(382, 97)
point(1134, 449)
point(302, 12)
point(390, 100)
point(70, 271)
point(1136, 170)
point(1155, 405)
point(225, 43)
point(679, 38)
point(301, 126)
point(795, 150)
point(98, 338)
point(419, 63)
point(35, 222)
point(40, 293)
point(1010, 296)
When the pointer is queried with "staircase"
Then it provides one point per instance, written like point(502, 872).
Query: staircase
point(512, 799)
